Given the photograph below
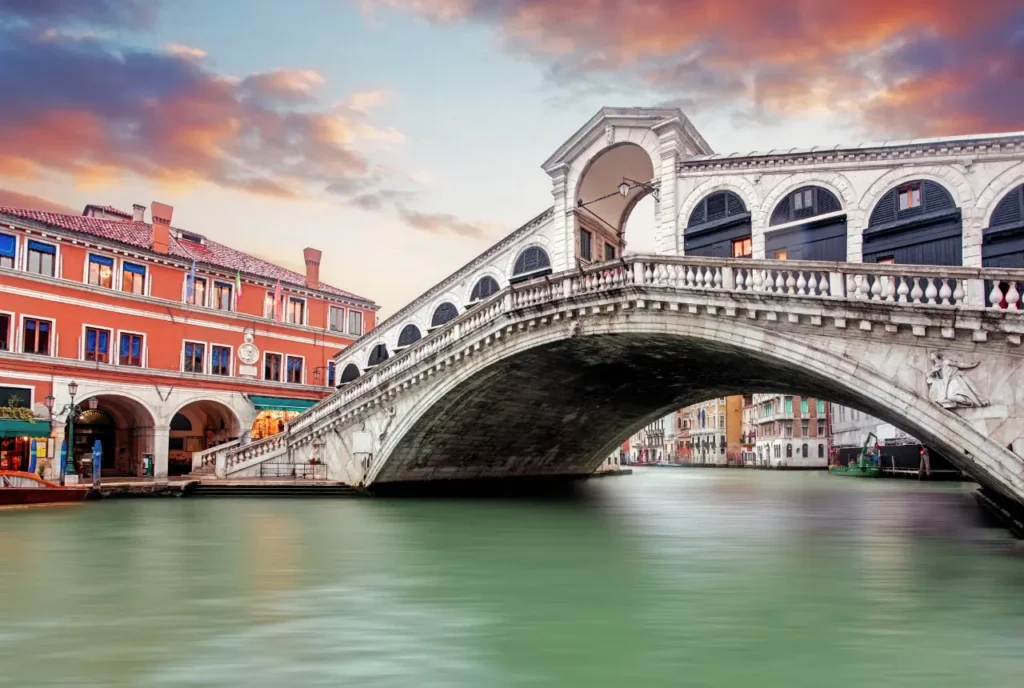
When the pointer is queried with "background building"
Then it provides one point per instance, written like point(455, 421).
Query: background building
point(174, 341)
point(791, 431)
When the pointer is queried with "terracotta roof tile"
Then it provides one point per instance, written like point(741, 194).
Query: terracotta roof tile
point(140, 234)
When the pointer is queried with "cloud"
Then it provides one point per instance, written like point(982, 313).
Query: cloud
point(106, 13)
point(185, 51)
point(16, 199)
point(96, 110)
point(443, 223)
point(364, 101)
point(930, 66)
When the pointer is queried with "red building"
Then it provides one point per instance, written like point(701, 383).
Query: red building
point(174, 341)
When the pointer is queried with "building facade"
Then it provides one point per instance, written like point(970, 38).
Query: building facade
point(791, 431)
point(174, 342)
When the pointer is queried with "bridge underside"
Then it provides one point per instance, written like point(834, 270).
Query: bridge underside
point(561, 408)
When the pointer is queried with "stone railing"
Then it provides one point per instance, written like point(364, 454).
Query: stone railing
point(208, 457)
point(899, 286)
point(239, 457)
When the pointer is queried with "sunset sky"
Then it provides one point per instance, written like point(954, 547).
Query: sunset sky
point(404, 136)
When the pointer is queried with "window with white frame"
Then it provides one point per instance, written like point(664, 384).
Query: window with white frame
point(8, 247)
point(269, 305)
point(194, 358)
point(5, 332)
point(197, 295)
point(220, 360)
point(133, 278)
point(337, 323)
point(295, 370)
point(42, 258)
point(355, 323)
point(296, 310)
point(221, 296)
point(101, 271)
point(272, 367)
point(36, 336)
point(97, 345)
point(130, 350)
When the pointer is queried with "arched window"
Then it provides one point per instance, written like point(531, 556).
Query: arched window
point(181, 423)
point(533, 260)
point(789, 451)
point(805, 453)
point(410, 334)
point(719, 226)
point(484, 288)
point(778, 451)
point(350, 373)
point(378, 355)
point(821, 451)
point(915, 223)
point(444, 313)
point(1003, 240)
point(804, 203)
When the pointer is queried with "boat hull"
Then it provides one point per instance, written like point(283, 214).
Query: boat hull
point(856, 471)
point(26, 489)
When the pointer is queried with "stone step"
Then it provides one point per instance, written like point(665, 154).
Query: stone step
point(214, 489)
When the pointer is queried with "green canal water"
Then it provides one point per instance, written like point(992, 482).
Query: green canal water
point(668, 577)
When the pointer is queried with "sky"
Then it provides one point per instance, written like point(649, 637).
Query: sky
point(403, 137)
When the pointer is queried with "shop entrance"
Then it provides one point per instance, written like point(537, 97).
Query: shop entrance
point(92, 425)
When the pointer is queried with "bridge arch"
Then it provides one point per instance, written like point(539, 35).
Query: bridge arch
point(997, 189)
point(609, 377)
point(409, 335)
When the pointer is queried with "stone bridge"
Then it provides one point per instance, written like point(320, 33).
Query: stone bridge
point(900, 297)
point(547, 377)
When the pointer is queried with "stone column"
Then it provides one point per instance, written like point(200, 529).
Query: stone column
point(563, 223)
point(161, 436)
point(141, 443)
point(665, 221)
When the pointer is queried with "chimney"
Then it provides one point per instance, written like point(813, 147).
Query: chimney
point(161, 226)
point(138, 213)
point(312, 257)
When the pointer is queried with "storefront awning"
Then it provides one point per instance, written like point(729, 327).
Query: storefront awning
point(23, 428)
point(280, 403)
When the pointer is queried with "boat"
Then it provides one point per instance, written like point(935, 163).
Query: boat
point(866, 465)
point(18, 488)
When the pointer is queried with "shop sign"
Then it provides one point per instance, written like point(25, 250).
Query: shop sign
point(249, 370)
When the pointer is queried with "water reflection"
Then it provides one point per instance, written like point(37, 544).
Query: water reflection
point(667, 577)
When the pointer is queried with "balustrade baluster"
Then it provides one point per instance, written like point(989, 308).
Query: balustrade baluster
point(876, 288)
point(648, 275)
point(801, 284)
point(995, 297)
point(1012, 297)
point(690, 279)
point(739, 279)
point(758, 280)
point(780, 283)
point(930, 291)
point(718, 278)
point(902, 290)
point(945, 292)
point(916, 294)
point(812, 284)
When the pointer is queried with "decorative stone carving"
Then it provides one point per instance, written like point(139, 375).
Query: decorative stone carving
point(609, 134)
point(574, 329)
point(949, 387)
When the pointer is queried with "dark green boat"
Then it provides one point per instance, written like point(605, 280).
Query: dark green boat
point(866, 465)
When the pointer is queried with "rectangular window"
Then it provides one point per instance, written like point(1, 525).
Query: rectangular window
point(295, 370)
point(5, 332)
point(272, 367)
point(101, 271)
point(331, 374)
point(220, 360)
point(355, 322)
point(803, 407)
point(821, 407)
point(789, 429)
point(821, 428)
point(97, 345)
point(805, 427)
point(296, 310)
point(268, 305)
point(609, 252)
point(7, 246)
point(789, 406)
point(803, 199)
point(221, 296)
point(133, 278)
point(585, 240)
point(910, 196)
point(36, 336)
point(886, 260)
point(337, 319)
point(42, 258)
point(781, 255)
point(130, 350)
point(741, 248)
point(194, 356)
point(198, 292)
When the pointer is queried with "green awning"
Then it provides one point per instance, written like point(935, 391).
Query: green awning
point(23, 428)
point(280, 403)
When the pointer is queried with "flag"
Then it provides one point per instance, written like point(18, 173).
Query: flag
point(277, 301)
point(190, 283)
point(238, 287)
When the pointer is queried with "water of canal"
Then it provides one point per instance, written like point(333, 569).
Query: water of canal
point(668, 577)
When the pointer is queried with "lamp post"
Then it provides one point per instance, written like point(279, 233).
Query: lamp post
point(72, 409)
